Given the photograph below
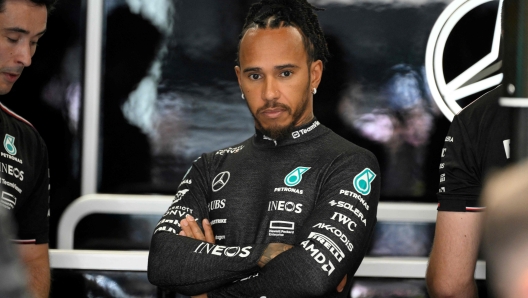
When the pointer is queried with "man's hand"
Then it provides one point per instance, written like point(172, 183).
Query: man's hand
point(36, 259)
point(191, 229)
point(342, 284)
point(273, 250)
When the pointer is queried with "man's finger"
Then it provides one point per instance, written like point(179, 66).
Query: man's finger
point(342, 284)
point(208, 230)
point(195, 228)
point(184, 224)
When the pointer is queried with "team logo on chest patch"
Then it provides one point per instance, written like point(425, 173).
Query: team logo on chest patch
point(363, 180)
point(295, 176)
point(220, 180)
point(9, 144)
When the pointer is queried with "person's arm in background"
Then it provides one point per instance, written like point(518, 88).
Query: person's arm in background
point(451, 268)
point(454, 255)
point(36, 260)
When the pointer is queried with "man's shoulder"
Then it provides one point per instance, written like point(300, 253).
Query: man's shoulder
point(13, 121)
point(14, 117)
point(486, 107)
point(233, 149)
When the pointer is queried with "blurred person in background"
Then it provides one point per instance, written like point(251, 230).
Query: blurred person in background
point(23, 156)
point(13, 283)
point(506, 231)
point(476, 144)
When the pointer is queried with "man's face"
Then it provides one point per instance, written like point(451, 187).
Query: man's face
point(276, 79)
point(22, 23)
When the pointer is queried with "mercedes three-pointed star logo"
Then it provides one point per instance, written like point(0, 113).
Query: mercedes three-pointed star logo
point(220, 181)
point(476, 78)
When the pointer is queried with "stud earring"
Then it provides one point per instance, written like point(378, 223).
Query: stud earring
point(243, 97)
point(314, 91)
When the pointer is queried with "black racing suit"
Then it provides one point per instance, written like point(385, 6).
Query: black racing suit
point(314, 190)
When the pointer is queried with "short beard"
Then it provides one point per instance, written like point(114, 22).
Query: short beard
point(277, 132)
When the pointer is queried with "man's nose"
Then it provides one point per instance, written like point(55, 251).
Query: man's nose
point(270, 90)
point(24, 55)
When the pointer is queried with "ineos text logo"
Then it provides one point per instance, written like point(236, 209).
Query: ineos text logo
point(220, 181)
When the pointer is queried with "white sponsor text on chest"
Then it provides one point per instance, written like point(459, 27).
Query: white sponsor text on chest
point(355, 196)
point(300, 132)
point(12, 171)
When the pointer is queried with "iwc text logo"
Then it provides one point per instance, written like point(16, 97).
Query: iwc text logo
point(476, 78)
point(9, 144)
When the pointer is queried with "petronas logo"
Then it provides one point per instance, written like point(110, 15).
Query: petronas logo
point(295, 176)
point(9, 144)
point(363, 180)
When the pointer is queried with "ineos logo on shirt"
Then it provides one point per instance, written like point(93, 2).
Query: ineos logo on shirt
point(478, 77)
point(220, 181)
point(12, 171)
point(220, 250)
point(285, 206)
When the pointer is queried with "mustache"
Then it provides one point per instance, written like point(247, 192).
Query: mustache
point(273, 105)
point(14, 70)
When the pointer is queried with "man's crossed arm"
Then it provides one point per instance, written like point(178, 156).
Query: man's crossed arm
point(191, 229)
point(330, 243)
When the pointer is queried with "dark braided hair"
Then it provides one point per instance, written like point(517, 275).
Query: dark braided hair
point(295, 13)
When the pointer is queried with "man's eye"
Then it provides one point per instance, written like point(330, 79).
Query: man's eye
point(254, 76)
point(12, 40)
point(286, 73)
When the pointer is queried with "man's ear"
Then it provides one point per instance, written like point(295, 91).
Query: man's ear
point(316, 72)
point(237, 71)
